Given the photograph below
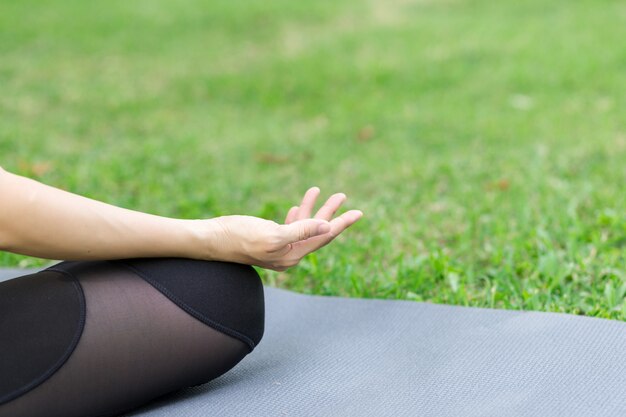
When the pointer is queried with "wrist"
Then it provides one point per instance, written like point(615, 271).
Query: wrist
point(203, 239)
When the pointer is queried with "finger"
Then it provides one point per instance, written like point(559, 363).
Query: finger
point(303, 229)
point(308, 201)
point(291, 215)
point(337, 226)
point(283, 250)
point(330, 207)
point(341, 223)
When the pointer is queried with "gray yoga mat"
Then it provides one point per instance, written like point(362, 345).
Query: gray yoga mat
point(332, 356)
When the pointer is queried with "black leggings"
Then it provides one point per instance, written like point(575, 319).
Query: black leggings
point(92, 339)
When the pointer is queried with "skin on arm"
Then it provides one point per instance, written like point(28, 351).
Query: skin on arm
point(43, 221)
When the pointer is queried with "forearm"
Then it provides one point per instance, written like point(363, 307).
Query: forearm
point(39, 220)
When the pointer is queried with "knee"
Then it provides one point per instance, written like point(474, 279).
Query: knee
point(243, 299)
point(226, 296)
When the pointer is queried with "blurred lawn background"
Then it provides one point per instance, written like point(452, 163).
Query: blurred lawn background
point(485, 141)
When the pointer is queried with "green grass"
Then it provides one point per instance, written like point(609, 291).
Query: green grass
point(485, 141)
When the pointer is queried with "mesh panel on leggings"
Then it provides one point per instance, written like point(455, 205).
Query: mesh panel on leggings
point(184, 282)
point(136, 345)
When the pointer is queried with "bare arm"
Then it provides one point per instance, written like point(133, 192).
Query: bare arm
point(39, 220)
point(43, 221)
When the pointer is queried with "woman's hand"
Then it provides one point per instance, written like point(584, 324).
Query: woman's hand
point(255, 241)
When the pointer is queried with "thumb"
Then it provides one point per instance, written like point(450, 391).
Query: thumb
point(304, 229)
